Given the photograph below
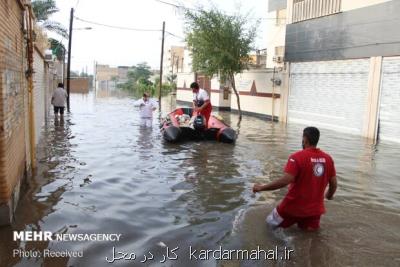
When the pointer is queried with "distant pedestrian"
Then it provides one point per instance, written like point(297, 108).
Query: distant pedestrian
point(147, 107)
point(307, 172)
point(58, 99)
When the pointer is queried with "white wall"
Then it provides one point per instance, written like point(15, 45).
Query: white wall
point(255, 104)
point(354, 4)
point(184, 95)
point(251, 103)
point(184, 79)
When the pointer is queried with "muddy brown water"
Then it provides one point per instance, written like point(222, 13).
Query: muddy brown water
point(99, 172)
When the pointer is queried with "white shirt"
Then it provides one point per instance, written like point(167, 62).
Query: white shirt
point(201, 95)
point(146, 107)
point(59, 97)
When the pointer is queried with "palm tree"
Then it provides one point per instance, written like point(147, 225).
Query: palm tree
point(43, 9)
point(58, 49)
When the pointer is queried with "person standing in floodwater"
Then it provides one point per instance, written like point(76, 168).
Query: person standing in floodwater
point(146, 110)
point(201, 101)
point(307, 172)
point(58, 99)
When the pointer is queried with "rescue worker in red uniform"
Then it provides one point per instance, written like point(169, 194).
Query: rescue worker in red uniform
point(201, 102)
point(307, 172)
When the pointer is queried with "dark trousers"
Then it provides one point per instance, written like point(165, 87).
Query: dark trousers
point(56, 109)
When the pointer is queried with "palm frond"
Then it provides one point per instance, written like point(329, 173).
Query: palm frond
point(43, 9)
point(56, 27)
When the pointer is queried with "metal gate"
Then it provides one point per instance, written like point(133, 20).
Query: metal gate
point(389, 113)
point(329, 94)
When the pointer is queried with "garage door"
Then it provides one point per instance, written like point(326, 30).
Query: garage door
point(329, 94)
point(389, 114)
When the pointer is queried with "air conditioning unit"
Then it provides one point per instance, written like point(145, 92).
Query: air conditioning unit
point(48, 56)
point(277, 59)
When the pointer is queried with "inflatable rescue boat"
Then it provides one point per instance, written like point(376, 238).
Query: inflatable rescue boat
point(184, 124)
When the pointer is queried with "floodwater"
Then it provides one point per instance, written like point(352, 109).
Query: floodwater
point(99, 172)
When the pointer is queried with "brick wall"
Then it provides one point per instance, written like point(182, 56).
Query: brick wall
point(15, 147)
point(12, 100)
point(78, 85)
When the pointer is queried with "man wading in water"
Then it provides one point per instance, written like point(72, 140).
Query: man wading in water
point(307, 172)
point(147, 107)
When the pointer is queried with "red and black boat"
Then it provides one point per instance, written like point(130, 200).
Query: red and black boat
point(184, 124)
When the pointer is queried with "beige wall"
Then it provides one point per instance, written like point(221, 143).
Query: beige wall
point(105, 72)
point(12, 106)
point(79, 85)
point(15, 149)
point(173, 53)
point(276, 33)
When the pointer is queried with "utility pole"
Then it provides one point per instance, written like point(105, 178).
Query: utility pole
point(161, 64)
point(71, 22)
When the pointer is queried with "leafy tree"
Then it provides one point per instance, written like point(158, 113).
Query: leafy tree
point(220, 44)
point(43, 9)
point(139, 81)
point(141, 71)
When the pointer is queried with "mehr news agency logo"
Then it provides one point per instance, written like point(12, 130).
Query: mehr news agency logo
point(193, 254)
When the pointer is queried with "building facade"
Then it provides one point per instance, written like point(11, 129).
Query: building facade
point(343, 66)
point(174, 58)
point(276, 32)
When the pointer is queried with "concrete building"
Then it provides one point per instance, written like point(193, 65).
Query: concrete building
point(106, 73)
point(174, 59)
point(276, 32)
point(343, 66)
point(123, 73)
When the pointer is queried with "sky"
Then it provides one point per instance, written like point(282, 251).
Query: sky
point(117, 47)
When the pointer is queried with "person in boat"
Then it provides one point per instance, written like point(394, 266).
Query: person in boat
point(201, 102)
point(307, 172)
point(147, 107)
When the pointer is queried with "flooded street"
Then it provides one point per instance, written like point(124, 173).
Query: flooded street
point(99, 172)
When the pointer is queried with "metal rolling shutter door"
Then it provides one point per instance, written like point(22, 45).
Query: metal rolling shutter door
point(389, 114)
point(329, 94)
point(38, 90)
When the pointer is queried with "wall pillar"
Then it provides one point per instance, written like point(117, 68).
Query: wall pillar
point(283, 113)
point(370, 129)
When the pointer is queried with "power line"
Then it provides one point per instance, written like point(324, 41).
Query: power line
point(118, 27)
point(174, 35)
point(174, 5)
point(184, 7)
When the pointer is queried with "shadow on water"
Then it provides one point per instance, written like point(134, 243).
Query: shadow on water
point(100, 172)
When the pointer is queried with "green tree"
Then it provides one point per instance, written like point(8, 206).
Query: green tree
point(140, 72)
point(58, 49)
point(220, 44)
point(43, 9)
